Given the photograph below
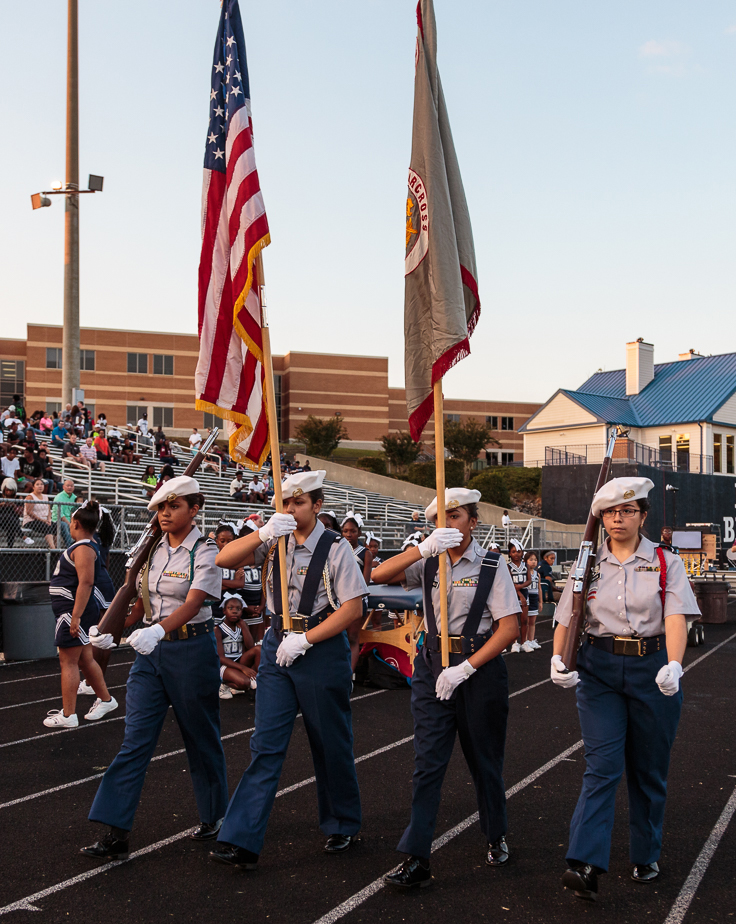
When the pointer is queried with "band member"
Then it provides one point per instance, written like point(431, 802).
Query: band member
point(470, 697)
point(628, 685)
point(176, 665)
point(307, 670)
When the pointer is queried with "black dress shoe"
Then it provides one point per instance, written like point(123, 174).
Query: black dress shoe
point(645, 872)
point(498, 852)
point(110, 847)
point(205, 831)
point(231, 855)
point(413, 873)
point(583, 880)
point(339, 843)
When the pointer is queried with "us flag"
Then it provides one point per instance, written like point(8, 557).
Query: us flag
point(229, 376)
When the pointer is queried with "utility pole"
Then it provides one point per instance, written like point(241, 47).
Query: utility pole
point(70, 336)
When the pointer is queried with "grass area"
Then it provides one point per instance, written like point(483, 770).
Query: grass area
point(347, 453)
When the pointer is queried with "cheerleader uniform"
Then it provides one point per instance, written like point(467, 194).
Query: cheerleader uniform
point(232, 644)
point(63, 590)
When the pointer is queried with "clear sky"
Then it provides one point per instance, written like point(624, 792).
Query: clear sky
point(597, 145)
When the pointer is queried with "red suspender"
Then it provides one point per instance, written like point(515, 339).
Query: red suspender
point(662, 575)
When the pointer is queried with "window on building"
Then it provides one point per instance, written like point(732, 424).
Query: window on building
point(52, 406)
point(507, 458)
point(507, 423)
point(163, 417)
point(683, 453)
point(211, 420)
point(135, 412)
point(12, 374)
point(665, 450)
point(717, 451)
point(163, 365)
point(87, 360)
point(53, 357)
point(729, 455)
point(491, 457)
point(452, 418)
point(492, 422)
point(138, 362)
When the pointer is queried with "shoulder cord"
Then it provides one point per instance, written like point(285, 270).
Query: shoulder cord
point(328, 588)
point(266, 575)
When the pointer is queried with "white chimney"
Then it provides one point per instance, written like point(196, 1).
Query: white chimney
point(691, 354)
point(639, 366)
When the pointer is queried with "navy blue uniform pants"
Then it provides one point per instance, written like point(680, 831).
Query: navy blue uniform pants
point(317, 684)
point(184, 675)
point(477, 712)
point(627, 723)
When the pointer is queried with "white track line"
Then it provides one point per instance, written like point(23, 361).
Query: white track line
point(57, 673)
point(49, 699)
point(27, 903)
point(355, 900)
point(97, 776)
point(687, 892)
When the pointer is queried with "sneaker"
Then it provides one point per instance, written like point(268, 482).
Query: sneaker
point(28, 540)
point(100, 708)
point(84, 689)
point(534, 643)
point(55, 718)
point(225, 691)
point(527, 647)
point(253, 684)
point(515, 648)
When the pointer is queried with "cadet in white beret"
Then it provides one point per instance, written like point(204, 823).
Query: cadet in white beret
point(306, 670)
point(470, 697)
point(628, 685)
point(176, 665)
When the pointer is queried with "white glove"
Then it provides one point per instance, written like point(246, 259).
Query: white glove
point(280, 524)
point(145, 640)
point(668, 678)
point(560, 675)
point(440, 540)
point(101, 640)
point(291, 647)
point(451, 678)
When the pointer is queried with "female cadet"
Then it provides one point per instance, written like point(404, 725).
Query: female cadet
point(629, 697)
point(176, 665)
point(471, 696)
point(306, 670)
point(352, 527)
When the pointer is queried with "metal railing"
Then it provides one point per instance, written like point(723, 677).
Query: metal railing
point(629, 451)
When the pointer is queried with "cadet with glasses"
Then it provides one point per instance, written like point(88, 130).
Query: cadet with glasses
point(628, 685)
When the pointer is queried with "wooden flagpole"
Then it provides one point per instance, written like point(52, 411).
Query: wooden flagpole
point(273, 434)
point(439, 455)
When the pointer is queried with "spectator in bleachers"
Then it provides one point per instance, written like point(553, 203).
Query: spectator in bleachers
point(46, 423)
point(53, 481)
point(113, 433)
point(144, 439)
point(10, 464)
point(159, 437)
point(59, 435)
point(71, 449)
point(37, 514)
point(14, 434)
point(150, 481)
point(166, 453)
point(237, 486)
point(29, 470)
point(413, 525)
point(195, 439)
point(19, 407)
point(143, 424)
point(167, 473)
point(64, 503)
point(102, 421)
point(10, 513)
point(88, 455)
point(127, 453)
point(12, 418)
point(257, 491)
point(102, 449)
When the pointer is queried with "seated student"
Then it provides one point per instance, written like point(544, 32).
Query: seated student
point(10, 463)
point(237, 486)
point(257, 493)
point(166, 474)
point(37, 514)
point(150, 481)
point(45, 423)
point(10, 513)
point(59, 435)
point(166, 454)
point(232, 578)
point(88, 455)
point(102, 448)
point(239, 654)
point(71, 449)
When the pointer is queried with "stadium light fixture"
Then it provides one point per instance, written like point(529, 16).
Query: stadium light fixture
point(40, 200)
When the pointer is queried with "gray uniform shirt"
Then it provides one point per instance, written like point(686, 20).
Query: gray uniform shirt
point(346, 581)
point(169, 580)
point(462, 580)
point(626, 598)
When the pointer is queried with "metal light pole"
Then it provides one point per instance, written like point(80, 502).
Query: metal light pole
point(70, 341)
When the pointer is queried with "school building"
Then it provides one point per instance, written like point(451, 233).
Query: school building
point(127, 373)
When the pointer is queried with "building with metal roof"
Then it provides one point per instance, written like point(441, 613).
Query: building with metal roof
point(681, 415)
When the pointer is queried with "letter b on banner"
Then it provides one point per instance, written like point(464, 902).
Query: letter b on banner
point(728, 533)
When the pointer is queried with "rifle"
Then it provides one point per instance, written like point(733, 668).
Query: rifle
point(114, 619)
point(584, 565)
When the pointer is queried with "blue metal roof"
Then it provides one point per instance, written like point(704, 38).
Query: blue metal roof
point(680, 392)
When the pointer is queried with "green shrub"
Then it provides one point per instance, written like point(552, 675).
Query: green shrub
point(492, 487)
point(424, 474)
point(374, 464)
point(521, 480)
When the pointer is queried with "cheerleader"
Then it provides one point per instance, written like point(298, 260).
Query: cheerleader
point(176, 665)
point(239, 655)
point(352, 526)
point(628, 685)
point(373, 544)
point(530, 643)
point(76, 609)
point(519, 576)
point(469, 698)
point(306, 670)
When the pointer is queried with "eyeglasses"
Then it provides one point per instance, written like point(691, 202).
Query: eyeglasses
point(626, 512)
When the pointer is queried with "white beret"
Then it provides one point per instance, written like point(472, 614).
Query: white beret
point(174, 487)
point(619, 491)
point(300, 483)
point(454, 497)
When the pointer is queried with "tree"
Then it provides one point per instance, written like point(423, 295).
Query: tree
point(322, 436)
point(400, 449)
point(492, 487)
point(466, 440)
